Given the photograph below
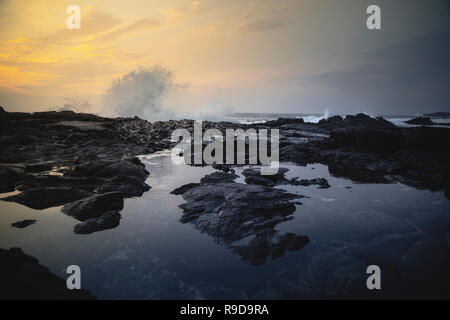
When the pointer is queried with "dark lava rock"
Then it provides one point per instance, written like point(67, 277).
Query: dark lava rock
point(94, 206)
point(184, 188)
point(269, 243)
point(88, 183)
point(360, 120)
point(126, 175)
point(321, 182)
point(349, 171)
point(253, 176)
point(284, 121)
point(22, 277)
point(367, 139)
point(222, 167)
point(229, 211)
point(423, 121)
point(218, 176)
point(39, 166)
point(129, 186)
point(23, 224)
point(130, 167)
point(108, 220)
point(47, 197)
point(110, 168)
point(10, 174)
point(333, 122)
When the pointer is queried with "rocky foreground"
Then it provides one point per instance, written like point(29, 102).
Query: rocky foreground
point(22, 277)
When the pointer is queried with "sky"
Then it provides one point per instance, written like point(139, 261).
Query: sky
point(299, 56)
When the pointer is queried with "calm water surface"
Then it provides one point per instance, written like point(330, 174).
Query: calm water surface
point(151, 255)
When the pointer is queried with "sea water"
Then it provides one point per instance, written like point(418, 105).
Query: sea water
point(152, 255)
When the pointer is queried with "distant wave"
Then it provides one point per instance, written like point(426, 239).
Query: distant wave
point(254, 118)
point(316, 119)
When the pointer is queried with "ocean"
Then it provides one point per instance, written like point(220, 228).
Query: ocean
point(250, 118)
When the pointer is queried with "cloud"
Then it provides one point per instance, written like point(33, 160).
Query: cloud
point(261, 25)
point(414, 61)
point(411, 75)
point(140, 25)
point(92, 24)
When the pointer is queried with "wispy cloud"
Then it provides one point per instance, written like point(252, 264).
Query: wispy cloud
point(137, 26)
point(260, 25)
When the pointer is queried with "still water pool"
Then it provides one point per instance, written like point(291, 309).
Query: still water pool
point(152, 255)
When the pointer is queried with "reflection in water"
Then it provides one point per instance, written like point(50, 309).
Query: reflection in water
point(269, 243)
point(151, 255)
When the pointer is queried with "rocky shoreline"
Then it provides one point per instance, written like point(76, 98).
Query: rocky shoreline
point(82, 161)
point(87, 164)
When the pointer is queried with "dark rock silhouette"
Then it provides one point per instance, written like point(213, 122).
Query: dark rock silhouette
point(424, 121)
point(94, 206)
point(23, 224)
point(22, 277)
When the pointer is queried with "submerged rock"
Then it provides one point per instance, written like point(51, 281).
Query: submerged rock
point(94, 206)
point(23, 224)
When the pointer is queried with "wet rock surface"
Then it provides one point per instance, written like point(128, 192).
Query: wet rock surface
point(230, 211)
point(378, 154)
point(89, 162)
point(254, 176)
point(108, 220)
point(22, 277)
point(94, 206)
point(56, 158)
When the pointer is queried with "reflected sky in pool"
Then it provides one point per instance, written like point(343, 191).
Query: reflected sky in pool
point(151, 255)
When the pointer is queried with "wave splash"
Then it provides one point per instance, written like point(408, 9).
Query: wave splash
point(141, 93)
point(147, 92)
point(315, 118)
